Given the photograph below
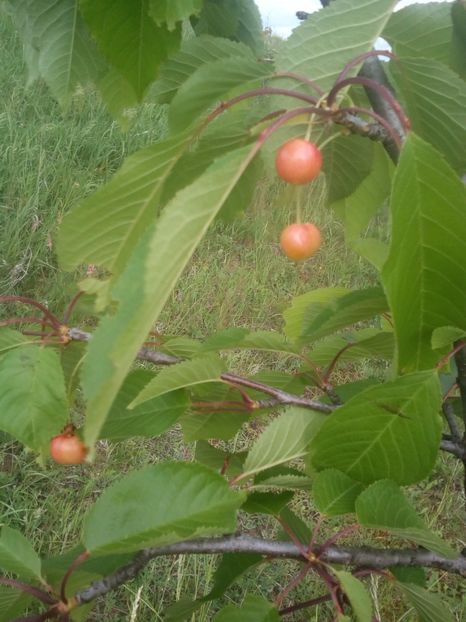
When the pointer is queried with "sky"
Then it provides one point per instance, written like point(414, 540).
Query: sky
point(280, 15)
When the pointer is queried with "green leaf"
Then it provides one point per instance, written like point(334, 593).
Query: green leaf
point(307, 306)
point(18, 556)
point(119, 97)
point(183, 347)
point(375, 251)
point(12, 603)
point(150, 419)
point(347, 160)
point(232, 338)
point(356, 306)
point(407, 574)
point(383, 506)
point(387, 431)
point(160, 504)
point(218, 459)
point(436, 101)
point(458, 42)
point(421, 30)
point(10, 340)
point(33, 404)
point(358, 597)
point(210, 83)
point(266, 502)
point(254, 609)
point(235, 19)
point(335, 493)
point(184, 375)
point(285, 439)
point(173, 11)
point(193, 54)
point(300, 529)
point(368, 343)
point(124, 209)
point(444, 336)
point(428, 605)
point(142, 45)
point(218, 425)
point(229, 131)
point(283, 478)
point(146, 284)
point(64, 54)
point(425, 272)
point(321, 46)
point(358, 209)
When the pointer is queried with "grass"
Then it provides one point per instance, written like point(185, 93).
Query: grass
point(50, 160)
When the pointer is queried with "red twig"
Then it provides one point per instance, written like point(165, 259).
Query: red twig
point(360, 59)
point(26, 320)
point(77, 562)
point(303, 79)
point(35, 592)
point(34, 303)
point(70, 307)
point(443, 361)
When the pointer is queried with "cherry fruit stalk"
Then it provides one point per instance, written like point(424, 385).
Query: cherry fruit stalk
point(300, 241)
point(298, 161)
point(67, 448)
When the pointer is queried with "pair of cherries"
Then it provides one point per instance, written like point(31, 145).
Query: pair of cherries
point(298, 162)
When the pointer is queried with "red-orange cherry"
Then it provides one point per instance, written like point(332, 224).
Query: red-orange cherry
point(300, 241)
point(298, 161)
point(67, 448)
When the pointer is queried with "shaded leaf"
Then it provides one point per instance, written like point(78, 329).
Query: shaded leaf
point(347, 160)
point(428, 605)
point(308, 306)
point(436, 105)
point(208, 84)
point(421, 31)
point(142, 45)
point(12, 603)
point(119, 97)
point(266, 502)
point(218, 459)
point(321, 46)
point(184, 375)
point(151, 418)
point(335, 493)
point(173, 11)
point(33, 404)
point(254, 609)
point(148, 280)
point(218, 425)
point(387, 431)
point(357, 594)
point(193, 54)
point(124, 209)
point(407, 574)
point(425, 272)
point(59, 45)
point(383, 506)
point(161, 504)
point(356, 306)
point(18, 556)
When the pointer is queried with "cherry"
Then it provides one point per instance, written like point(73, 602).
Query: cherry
point(67, 448)
point(298, 161)
point(300, 241)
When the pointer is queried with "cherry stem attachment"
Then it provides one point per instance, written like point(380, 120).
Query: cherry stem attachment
point(379, 88)
point(77, 562)
point(70, 307)
point(390, 131)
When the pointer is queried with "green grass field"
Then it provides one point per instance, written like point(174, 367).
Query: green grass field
point(49, 161)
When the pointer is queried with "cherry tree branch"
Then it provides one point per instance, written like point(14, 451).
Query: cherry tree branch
point(367, 557)
point(277, 396)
